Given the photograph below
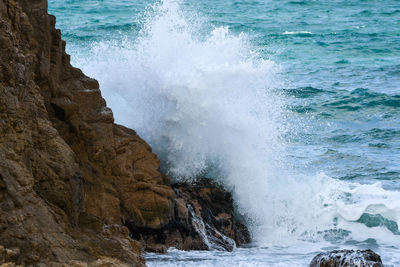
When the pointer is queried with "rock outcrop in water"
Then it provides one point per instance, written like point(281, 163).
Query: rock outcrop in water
point(71, 179)
point(347, 258)
point(214, 205)
point(202, 219)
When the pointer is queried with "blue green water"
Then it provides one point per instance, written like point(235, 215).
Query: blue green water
point(337, 73)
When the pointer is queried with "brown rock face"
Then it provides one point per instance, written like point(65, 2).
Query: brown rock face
point(68, 175)
point(59, 151)
point(347, 258)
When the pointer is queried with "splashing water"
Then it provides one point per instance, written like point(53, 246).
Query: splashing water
point(200, 103)
point(212, 238)
point(209, 105)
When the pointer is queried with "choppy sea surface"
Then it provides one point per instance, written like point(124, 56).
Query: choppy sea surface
point(292, 105)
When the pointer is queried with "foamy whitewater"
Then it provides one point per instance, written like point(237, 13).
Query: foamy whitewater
point(210, 104)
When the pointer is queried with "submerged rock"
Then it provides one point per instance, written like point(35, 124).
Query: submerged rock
point(347, 258)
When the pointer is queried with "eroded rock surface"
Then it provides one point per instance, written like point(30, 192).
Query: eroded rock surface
point(214, 205)
point(202, 219)
point(70, 179)
point(59, 150)
point(347, 258)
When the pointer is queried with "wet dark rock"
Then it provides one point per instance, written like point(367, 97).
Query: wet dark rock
point(203, 219)
point(347, 258)
point(214, 205)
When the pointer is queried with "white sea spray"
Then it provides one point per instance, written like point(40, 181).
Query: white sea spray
point(210, 102)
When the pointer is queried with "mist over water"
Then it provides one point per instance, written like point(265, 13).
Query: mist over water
point(211, 104)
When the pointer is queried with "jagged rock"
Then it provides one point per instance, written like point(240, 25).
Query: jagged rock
point(347, 258)
point(70, 178)
point(62, 160)
point(214, 205)
point(203, 219)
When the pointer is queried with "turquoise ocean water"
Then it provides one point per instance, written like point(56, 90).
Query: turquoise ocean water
point(294, 105)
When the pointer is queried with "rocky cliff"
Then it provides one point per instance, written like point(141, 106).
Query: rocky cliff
point(76, 188)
